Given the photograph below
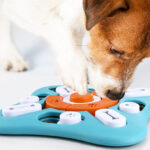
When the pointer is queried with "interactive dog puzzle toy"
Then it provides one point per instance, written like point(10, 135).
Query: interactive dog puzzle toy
point(60, 112)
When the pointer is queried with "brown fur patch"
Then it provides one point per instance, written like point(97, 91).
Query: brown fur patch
point(127, 30)
point(97, 10)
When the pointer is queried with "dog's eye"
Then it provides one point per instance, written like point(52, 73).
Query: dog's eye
point(116, 52)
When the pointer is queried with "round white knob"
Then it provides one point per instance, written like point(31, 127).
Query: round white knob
point(130, 107)
point(70, 118)
point(29, 99)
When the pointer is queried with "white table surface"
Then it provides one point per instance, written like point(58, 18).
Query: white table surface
point(41, 73)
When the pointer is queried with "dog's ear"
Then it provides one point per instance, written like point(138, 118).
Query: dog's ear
point(97, 10)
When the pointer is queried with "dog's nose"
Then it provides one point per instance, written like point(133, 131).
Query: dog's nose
point(114, 95)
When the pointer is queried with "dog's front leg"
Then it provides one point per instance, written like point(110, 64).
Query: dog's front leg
point(70, 58)
point(72, 68)
point(10, 59)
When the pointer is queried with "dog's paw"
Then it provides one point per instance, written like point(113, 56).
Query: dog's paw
point(77, 82)
point(13, 63)
point(75, 77)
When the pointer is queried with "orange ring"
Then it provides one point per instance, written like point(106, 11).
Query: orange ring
point(56, 102)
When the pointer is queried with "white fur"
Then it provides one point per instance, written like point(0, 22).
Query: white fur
point(102, 82)
point(61, 23)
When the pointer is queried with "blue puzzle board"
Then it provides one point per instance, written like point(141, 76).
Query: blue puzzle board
point(90, 130)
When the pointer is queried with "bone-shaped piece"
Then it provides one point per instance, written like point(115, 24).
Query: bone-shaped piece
point(64, 91)
point(110, 118)
point(136, 92)
point(29, 99)
point(17, 110)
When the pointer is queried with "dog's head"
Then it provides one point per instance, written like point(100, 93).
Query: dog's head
point(119, 40)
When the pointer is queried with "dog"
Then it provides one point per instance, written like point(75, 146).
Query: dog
point(119, 33)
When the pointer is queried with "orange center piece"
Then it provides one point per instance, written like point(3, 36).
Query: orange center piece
point(77, 98)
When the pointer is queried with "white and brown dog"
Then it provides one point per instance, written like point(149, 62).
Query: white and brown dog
point(119, 39)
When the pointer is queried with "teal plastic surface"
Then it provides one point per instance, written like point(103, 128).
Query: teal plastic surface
point(89, 130)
